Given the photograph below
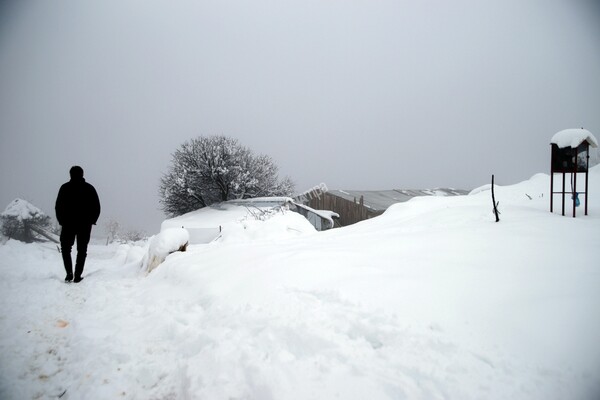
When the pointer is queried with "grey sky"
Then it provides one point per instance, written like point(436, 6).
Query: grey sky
point(356, 94)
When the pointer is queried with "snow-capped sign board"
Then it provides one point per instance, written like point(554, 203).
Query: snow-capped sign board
point(573, 138)
point(571, 155)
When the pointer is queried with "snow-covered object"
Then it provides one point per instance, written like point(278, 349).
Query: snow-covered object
point(279, 225)
point(330, 215)
point(22, 210)
point(248, 219)
point(205, 224)
point(320, 219)
point(573, 138)
point(163, 244)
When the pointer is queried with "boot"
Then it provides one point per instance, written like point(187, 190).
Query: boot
point(68, 263)
point(79, 267)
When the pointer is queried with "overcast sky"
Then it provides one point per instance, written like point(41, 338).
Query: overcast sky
point(355, 94)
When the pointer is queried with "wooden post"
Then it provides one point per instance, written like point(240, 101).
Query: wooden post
point(494, 201)
point(551, 179)
point(587, 167)
point(363, 211)
point(552, 191)
point(586, 192)
point(45, 234)
point(574, 189)
point(563, 194)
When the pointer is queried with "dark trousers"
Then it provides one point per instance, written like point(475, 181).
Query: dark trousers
point(67, 239)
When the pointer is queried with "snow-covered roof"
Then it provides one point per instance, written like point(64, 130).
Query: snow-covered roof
point(380, 200)
point(205, 224)
point(262, 202)
point(218, 214)
point(573, 138)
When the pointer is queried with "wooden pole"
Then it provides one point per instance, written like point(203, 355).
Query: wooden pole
point(551, 179)
point(574, 190)
point(494, 201)
point(587, 166)
point(45, 234)
point(551, 191)
point(563, 194)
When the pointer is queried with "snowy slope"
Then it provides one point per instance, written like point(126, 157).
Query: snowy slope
point(432, 300)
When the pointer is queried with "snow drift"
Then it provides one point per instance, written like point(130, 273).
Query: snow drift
point(161, 245)
point(432, 300)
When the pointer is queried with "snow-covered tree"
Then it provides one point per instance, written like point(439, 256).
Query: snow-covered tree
point(212, 169)
point(117, 234)
point(112, 228)
point(23, 221)
point(133, 235)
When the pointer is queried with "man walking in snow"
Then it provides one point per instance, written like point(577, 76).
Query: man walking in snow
point(77, 209)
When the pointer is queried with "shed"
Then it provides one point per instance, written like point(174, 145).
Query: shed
point(357, 205)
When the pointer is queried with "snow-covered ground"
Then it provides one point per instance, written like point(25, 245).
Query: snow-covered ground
point(432, 300)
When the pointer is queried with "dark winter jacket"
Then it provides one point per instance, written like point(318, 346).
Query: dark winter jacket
point(77, 203)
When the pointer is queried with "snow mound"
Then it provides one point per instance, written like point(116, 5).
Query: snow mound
point(204, 225)
point(276, 225)
point(535, 187)
point(161, 245)
point(22, 209)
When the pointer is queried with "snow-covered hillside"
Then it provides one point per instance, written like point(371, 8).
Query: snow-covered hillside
point(432, 300)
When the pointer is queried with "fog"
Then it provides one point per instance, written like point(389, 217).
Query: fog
point(352, 94)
